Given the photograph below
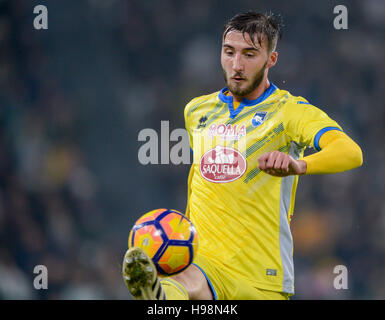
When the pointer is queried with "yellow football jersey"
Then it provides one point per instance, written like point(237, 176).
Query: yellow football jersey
point(242, 214)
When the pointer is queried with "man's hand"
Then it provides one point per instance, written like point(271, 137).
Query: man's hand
point(280, 164)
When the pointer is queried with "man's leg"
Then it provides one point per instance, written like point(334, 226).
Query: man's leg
point(141, 279)
point(192, 281)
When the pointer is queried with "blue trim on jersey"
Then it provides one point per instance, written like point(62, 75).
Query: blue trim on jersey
point(245, 102)
point(320, 133)
point(302, 102)
point(209, 282)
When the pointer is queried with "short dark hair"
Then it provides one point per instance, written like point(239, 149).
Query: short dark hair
point(257, 24)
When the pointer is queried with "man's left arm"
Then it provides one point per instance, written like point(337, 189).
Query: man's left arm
point(338, 153)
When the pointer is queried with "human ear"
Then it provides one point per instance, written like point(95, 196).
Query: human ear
point(272, 59)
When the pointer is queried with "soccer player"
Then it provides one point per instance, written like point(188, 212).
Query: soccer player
point(248, 141)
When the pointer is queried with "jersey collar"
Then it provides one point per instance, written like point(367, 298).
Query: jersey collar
point(245, 102)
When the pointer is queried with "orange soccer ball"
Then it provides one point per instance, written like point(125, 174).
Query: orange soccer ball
point(168, 237)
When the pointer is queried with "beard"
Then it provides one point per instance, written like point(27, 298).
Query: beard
point(237, 90)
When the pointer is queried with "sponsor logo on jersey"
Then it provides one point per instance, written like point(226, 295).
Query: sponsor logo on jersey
point(222, 164)
point(258, 118)
point(227, 132)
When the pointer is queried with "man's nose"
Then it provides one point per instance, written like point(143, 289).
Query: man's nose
point(237, 63)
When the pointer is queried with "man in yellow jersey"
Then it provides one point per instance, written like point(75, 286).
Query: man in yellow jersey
point(248, 141)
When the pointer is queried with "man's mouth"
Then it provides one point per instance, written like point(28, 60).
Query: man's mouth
point(238, 79)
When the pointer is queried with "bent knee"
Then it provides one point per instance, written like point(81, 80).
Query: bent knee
point(195, 283)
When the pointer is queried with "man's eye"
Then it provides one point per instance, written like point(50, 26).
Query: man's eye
point(249, 55)
point(229, 53)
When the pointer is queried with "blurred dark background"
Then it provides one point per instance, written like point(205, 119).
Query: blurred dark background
point(73, 99)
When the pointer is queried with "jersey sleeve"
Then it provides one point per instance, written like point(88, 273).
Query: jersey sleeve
point(307, 123)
